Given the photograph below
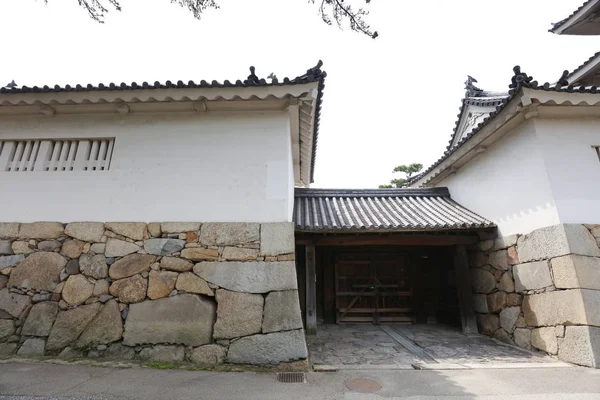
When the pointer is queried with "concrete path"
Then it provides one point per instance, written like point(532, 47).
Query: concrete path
point(83, 382)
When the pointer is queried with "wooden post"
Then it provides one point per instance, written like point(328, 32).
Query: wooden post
point(311, 290)
point(463, 286)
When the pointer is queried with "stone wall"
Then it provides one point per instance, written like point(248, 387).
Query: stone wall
point(204, 293)
point(542, 291)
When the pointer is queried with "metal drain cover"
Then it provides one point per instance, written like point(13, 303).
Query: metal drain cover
point(291, 377)
point(362, 385)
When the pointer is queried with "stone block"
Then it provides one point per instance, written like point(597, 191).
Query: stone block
point(488, 323)
point(506, 283)
point(49, 245)
point(176, 264)
point(131, 265)
point(132, 230)
point(545, 340)
point(581, 345)
point(238, 314)
point(163, 247)
point(480, 303)
point(523, 338)
point(154, 229)
point(86, 231)
point(513, 256)
point(514, 299)
point(41, 230)
point(33, 347)
point(239, 254)
point(531, 276)
point(11, 261)
point(499, 260)
point(249, 277)
point(179, 227)
point(105, 328)
point(161, 283)
point(119, 248)
point(503, 336)
point(229, 233)
point(9, 230)
point(505, 242)
point(6, 248)
point(183, 319)
point(200, 254)
point(21, 247)
point(508, 318)
point(40, 319)
point(211, 354)
point(482, 281)
point(93, 266)
point(496, 301)
point(282, 312)
point(72, 267)
point(556, 241)
point(191, 283)
point(7, 329)
point(100, 288)
point(162, 353)
point(8, 349)
point(486, 245)
point(70, 324)
point(72, 248)
point(130, 290)
point(563, 307)
point(277, 238)
point(77, 290)
point(117, 351)
point(98, 248)
point(574, 271)
point(13, 303)
point(270, 349)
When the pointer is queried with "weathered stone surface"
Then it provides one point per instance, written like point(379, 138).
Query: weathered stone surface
point(282, 312)
point(478, 259)
point(154, 229)
point(480, 303)
point(86, 231)
point(41, 230)
point(273, 348)
point(229, 233)
point(574, 271)
point(132, 230)
point(32, 348)
point(557, 240)
point(505, 242)
point(559, 331)
point(499, 259)
point(98, 248)
point(9, 230)
point(6, 248)
point(488, 323)
point(211, 354)
point(200, 254)
point(486, 245)
point(21, 247)
point(72, 248)
point(3, 281)
point(72, 267)
point(105, 328)
point(544, 339)
point(8, 349)
point(581, 345)
point(13, 303)
point(277, 238)
point(131, 265)
point(39, 271)
point(503, 336)
point(177, 227)
point(93, 266)
point(70, 353)
point(130, 290)
point(191, 283)
point(514, 299)
point(100, 288)
point(7, 329)
point(163, 247)
point(508, 318)
point(513, 257)
point(69, 325)
point(161, 353)
point(482, 281)
point(40, 319)
point(496, 301)
point(533, 275)
point(249, 277)
point(119, 248)
point(117, 351)
point(77, 290)
point(239, 254)
point(523, 338)
point(11, 261)
point(176, 264)
point(161, 283)
point(238, 314)
point(49, 245)
point(506, 283)
point(563, 307)
point(184, 319)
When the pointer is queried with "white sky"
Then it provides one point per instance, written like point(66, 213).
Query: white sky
point(388, 101)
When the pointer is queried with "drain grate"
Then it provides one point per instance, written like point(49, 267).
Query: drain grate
point(291, 377)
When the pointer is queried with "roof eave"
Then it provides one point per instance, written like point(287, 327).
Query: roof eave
point(576, 19)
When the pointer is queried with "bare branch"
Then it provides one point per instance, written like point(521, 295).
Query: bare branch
point(340, 12)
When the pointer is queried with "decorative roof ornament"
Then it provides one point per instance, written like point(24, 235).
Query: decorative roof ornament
point(470, 89)
point(563, 79)
point(314, 73)
point(252, 78)
point(273, 77)
point(520, 79)
point(11, 84)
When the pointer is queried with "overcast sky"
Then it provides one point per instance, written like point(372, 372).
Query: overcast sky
point(388, 101)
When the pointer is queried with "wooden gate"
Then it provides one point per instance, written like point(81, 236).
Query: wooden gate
point(373, 287)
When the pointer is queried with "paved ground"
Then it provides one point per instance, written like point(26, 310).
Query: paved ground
point(84, 382)
point(402, 346)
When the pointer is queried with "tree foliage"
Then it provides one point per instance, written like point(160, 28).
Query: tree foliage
point(409, 170)
point(330, 11)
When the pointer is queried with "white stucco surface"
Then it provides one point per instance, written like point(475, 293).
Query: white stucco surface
point(165, 167)
point(508, 184)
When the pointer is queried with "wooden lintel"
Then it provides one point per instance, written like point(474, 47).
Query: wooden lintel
point(407, 240)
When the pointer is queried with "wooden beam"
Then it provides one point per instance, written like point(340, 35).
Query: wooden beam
point(406, 240)
point(463, 286)
point(311, 290)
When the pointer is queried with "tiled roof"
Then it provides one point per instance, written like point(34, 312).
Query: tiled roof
point(312, 75)
point(358, 210)
point(566, 75)
point(557, 25)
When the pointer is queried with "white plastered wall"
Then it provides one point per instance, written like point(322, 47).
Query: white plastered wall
point(165, 167)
